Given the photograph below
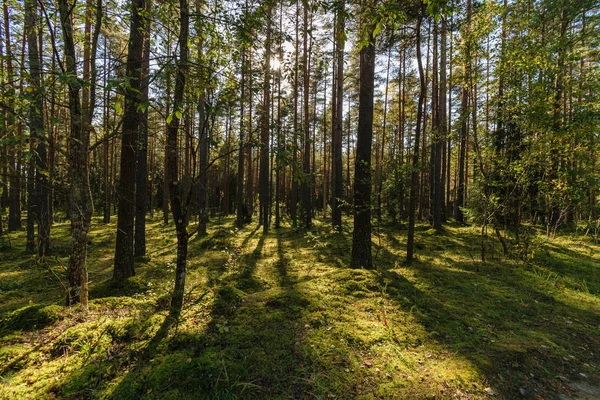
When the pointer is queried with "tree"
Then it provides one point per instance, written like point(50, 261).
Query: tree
point(141, 167)
point(178, 204)
point(265, 203)
point(337, 190)
point(306, 178)
point(80, 201)
point(414, 174)
point(124, 267)
point(38, 199)
point(361, 237)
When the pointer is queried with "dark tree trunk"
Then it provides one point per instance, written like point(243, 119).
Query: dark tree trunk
point(435, 161)
point(203, 164)
point(124, 267)
point(239, 195)
point(265, 203)
point(14, 194)
point(443, 125)
point(464, 127)
point(306, 179)
point(178, 205)
point(337, 179)
point(80, 200)
point(361, 238)
point(141, 169)
point(414, 180)
point(294, 189)
point(36, 131)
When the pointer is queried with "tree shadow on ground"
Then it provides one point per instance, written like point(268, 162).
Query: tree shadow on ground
point(251, 347)
point(516, 331)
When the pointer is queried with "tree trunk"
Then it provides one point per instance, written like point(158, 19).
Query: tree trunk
point(178, 206)
point(141, 168)
point(464, 128)
point(124, 267)
point(80, 199)
point(414, 181)
point(14, 194)
point(294, 190)
point(265, 203)
point(36, 131)
point(306, 179)
point(361, 238)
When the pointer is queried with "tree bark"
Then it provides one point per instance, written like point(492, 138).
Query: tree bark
point(141, 168)
point(124, 260)
point(80, 200)
point(361, 238)
point(178, 205)
point(265, 203)
point(36, 132)
point(414, 181)
point(337, 184)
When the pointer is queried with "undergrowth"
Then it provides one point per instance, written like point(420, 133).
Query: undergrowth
point(282, 316)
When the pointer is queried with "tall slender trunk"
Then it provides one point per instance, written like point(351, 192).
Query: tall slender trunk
point(337, 180)
point(38, 198)
point(80, 199)
point(14, 194)
point(241, 211)
point(124, 267)
point(361, 238)
point(435, 160)
point(178, 205)
point(166, 196)
point(279, 133)
point(265, 203)
point(141, 168)
point(106, 145)
point(414, 181)
point(381, 161)
point(443, 124)
point(306, 179)
point(294, 190)
point(464, 129)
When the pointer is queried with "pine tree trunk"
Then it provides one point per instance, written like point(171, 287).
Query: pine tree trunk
point(14, 194)
point(265, 204)
point(80, 200)
point(36, 129)
point(178, 205)
point(141, 168)
point(414, 181)
point(306, 179)
point(361, 238)
point(337, 179)
point(124, 260)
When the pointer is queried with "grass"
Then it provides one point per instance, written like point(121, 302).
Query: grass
point(280, 316)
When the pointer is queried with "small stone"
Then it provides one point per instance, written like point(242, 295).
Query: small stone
point(522, 391)
point(583, 375)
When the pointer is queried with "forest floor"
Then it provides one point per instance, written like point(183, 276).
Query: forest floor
point(281, 316)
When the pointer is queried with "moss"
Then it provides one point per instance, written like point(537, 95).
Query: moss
point(32, 317)
point(281, 316)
